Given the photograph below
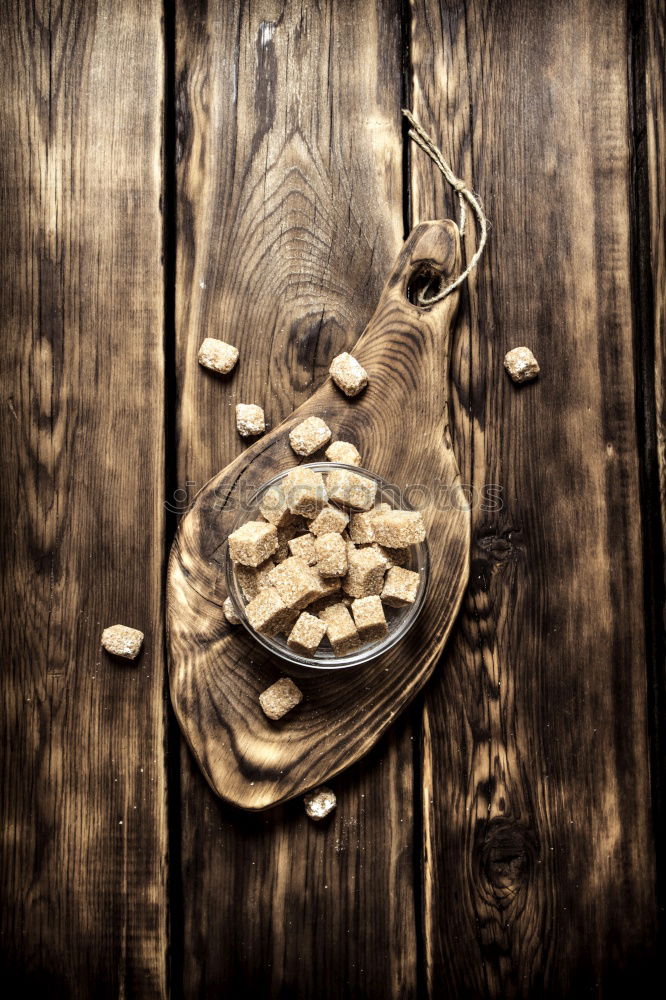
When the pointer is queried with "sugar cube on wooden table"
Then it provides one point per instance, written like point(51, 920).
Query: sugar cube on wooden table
point(309, 436)
point(348, 374)
point(320, 802)
point(121, 640)
point(250, 419)
point(521, 364)
point(217, 355)
point(280, 698)
point(343, 451)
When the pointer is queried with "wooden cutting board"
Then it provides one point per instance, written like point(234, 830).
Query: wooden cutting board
point(400, 426)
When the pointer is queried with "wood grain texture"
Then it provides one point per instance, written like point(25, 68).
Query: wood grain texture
point(216, 671)
point(290, 216)
point(83, 861)
point(535, 783)
point(655, 90)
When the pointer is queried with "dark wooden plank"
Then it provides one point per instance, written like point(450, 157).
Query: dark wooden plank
point(83, 786)
point(289, 197)
point(538, 875)
point(655, 89)
point(649, 77)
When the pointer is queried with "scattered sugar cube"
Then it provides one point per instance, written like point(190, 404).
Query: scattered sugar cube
point(369, 618)
point(400, 587)
point(306, 634)
point(267, 612)
point(253, 542)
point(331, 553)
point(274, 507)
point(351, 489)
point(320, 802)
point(251, 580)
point(303, 546)
point(343, 451)
point(342, 633)
point(309, 436)
point(250, 419)
point(121, 640)
point(305, 492)
point(217, 355)
point(294, 581)
point(398, 528)
point(365, 575)
point(280, 698)
point(521, 364)
point(348, 374)
point(329, 519)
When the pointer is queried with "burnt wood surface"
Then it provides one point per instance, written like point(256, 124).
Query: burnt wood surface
point(240, 170)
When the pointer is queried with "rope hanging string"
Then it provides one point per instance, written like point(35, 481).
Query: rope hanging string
point(466, 197)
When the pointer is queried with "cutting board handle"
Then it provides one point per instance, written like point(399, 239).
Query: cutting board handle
point(429, 259)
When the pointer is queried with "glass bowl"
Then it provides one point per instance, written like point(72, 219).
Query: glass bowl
point(399, 620)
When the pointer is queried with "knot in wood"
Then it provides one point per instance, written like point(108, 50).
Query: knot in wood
point(506, 853)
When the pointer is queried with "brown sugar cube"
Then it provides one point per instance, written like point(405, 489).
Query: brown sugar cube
point(250, 420)
point(309, 436)
point(365, 575)
point(326, 586)
point(274, 507)
point(280, 698)
point(348, 374)
point(329, 519)
point(400, 587)
point(267, 613)
point(393, 557)
point(319, 802)
point(331, 554)
point(121, 640)
point(350, 489)
point(305, 492)
point(253, 542)
point(251, 580)
point(303, 546)
point(397, 529)
point(360, 525)
point(343, 451)
point(230, 612)
point(295, 583)
point(369, 617)
point(217, 355)
point(306, 634)
point(342, 633)
point(521, 364)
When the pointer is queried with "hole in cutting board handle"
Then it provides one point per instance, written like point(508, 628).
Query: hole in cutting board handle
point(427, 280)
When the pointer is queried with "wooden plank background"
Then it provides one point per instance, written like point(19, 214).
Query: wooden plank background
point(239, 170)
